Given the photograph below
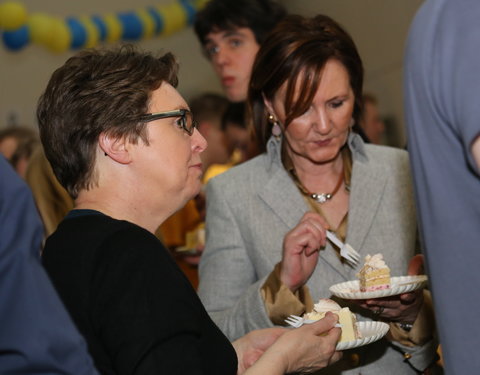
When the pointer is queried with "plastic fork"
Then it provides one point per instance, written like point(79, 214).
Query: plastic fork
point(297, 321)
point(346, 251)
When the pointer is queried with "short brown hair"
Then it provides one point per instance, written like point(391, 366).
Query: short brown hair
point(97, 91)
point(300, 45)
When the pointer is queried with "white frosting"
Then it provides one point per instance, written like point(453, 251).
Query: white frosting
point(326, 304)
point(375, 261)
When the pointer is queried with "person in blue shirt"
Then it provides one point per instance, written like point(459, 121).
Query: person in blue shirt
point(441, 88)
point(36, 334)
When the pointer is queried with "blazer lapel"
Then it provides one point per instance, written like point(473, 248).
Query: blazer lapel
point(283, 197)
point(364, 201)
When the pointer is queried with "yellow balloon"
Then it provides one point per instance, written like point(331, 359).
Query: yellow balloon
point(93, 35)
point(174, 18)
point(13, 15)
point(40, 26)
point(199, 4)
point(147, 23)
point(114, 28)
point(61, 38)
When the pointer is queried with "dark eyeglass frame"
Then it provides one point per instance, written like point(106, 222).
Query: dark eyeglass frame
point(181, 113)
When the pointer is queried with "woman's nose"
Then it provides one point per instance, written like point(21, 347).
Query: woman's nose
point(199, 143)
point(321, 121)
point(222, 56)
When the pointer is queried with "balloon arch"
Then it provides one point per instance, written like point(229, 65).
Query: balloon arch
point(19, 28)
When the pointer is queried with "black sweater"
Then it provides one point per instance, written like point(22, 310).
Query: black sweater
point(136, 309)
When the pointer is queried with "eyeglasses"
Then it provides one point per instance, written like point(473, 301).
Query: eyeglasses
point(185, 118)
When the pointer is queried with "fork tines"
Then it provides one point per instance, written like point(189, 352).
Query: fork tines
point(350, 254)
point(294, 321)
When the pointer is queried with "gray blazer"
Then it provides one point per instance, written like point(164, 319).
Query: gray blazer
point(251, 207)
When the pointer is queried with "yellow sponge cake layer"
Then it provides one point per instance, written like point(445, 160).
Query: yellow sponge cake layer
point(345, 318)
point(375, 274)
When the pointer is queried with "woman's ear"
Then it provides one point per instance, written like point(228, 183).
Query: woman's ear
point(115, 148)
point(269, 106)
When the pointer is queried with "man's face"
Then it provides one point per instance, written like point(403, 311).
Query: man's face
point(232, 53)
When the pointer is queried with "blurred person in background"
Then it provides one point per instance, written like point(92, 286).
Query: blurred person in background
point(17, 144)
point(209, 110)
point(371, 121)
point(52, 200)
point(238, 140)
point(231, 32)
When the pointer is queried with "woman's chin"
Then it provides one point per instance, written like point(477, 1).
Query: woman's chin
point(195, 189)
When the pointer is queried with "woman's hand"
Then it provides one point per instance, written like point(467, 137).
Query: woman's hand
point(308, 348)
point(403, 308)
point(249, 348)
point(300, 250)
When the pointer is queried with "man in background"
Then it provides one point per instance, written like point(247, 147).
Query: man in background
point(231, 32)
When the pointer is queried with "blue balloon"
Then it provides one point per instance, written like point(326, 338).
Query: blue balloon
point(157, 19)
point(101, 27)
point(132, 26)
point(189, 10)
point(16, 39)
point(79, 34)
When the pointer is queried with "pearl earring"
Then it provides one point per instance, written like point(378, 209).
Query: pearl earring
point(276, 130)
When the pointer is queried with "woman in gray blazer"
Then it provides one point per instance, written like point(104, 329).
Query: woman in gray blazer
point(266, 254)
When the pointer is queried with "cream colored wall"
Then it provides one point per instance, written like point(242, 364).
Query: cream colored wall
point(24, 74)
point(379, 27)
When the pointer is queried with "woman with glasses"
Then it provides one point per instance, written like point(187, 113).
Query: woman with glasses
point(123, 142)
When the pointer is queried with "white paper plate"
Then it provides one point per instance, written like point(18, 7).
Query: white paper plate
point(370, 331)
point(183, 250)
point(399, 285)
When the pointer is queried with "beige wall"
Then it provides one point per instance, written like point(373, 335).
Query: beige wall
point(379, 27)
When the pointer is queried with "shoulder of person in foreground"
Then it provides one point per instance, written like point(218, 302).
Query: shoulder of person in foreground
point(34, 312)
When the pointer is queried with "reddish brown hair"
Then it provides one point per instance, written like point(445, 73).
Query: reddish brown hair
point(296, 52)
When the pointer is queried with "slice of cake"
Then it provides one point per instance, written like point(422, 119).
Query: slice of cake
point(375, 274)
point(195, 237)
point(345, 317)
